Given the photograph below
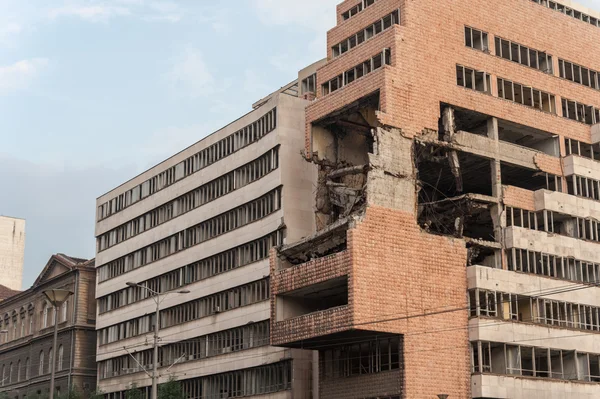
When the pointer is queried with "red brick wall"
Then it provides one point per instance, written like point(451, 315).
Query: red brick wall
point(399, 272)
point(518, 198)
point(430, 43)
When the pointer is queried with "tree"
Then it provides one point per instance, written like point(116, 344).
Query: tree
point(134, 392)
point(171, 389)
point(72, 393)
point(97, 394)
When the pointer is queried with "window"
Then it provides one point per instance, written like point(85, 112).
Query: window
point(587, 114)
point(59, 365)
point(372, 30)
point(27, 365)
point(10, 373)
point(578, 74)
point(474, 80)
point(45, 316)
point(235, 218)
point(476, 39)
point(41, 367)
point(553, 5)
point(526, 95)
point(64, 308)
point(19, 371)
point(50, 360)
point(357, 8)
point(309, 84)
point(376, 62)
point(523, 55)
point(219, 150)
point(3, 374)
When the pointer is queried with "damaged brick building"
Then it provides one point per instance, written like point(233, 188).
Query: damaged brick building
point(456, 208)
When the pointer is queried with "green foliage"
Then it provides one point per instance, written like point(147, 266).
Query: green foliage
point(72, 393)
point(97, 394)
point(171, 389)
point(134, 393)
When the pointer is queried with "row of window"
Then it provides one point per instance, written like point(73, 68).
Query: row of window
point(509, 50)
point(580, 112)
point(221, 149)
point(202, 195)
point(540, 362)
point(584, 187)
point(357, 8)
point(362, 69)
point(575, 147)
point(542, 264)
point(373, 356)
point(260, 380)
point(372, 30)
point(522, 308)
point(20, 371)
point(222, 342)
point(524, 55)
point(223, 262)
point(228, 221)
point(476, 80)
point(20, 324)
point(554, 222)
point(578, 74)
point(233, 298)
point(569, 11)
point(526, 95)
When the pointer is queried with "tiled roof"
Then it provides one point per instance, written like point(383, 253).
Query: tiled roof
point(6, 292)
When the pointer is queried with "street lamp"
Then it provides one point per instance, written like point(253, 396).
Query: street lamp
point(56, 297)
point(156, 298)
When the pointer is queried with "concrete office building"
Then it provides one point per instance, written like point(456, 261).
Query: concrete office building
point(457, 242)
point(12, 252)
point(27, 324)
point(205, 220)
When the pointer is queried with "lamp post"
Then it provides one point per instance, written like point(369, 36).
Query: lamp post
point(156, 297)
point(56, 297)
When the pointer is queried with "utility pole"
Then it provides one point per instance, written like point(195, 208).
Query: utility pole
point(156, 296)
point(56, 297)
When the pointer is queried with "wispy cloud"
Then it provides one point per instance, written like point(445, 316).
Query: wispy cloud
point(190, 75)
point(21, 74)
point(95, 13)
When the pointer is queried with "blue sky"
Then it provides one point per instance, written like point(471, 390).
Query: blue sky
point(92, 92)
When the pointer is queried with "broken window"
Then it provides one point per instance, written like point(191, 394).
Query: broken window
point(474, 80)
point(568, 11)
point(357, 8)
point(476, 39)
point(583, 187)
point(580, 112)
point(309, 84)
point(366, 357)
point(376, 62)
point(526, 96)
point(523, 55)
point(374, 29)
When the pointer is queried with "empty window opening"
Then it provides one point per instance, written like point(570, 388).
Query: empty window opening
point(578, 74)
point(523, 55)
point(373, 29)
point(529, 179)
point(526, 95)
point(315, 298)
point(524, 136)
point(580, 112)
point(366, 67)
point(476, 39)
point(474, 80)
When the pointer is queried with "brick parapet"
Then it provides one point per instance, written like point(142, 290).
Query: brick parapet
point(311, 325)
point(518, 198)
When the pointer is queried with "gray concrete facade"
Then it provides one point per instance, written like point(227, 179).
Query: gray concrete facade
point(205, 220)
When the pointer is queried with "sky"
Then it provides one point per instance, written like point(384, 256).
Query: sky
point(93, 92)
